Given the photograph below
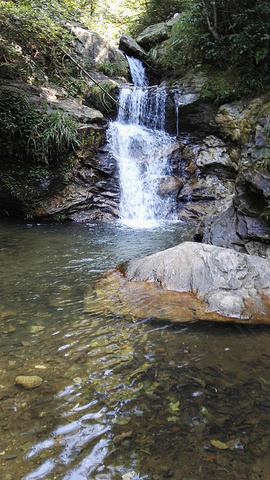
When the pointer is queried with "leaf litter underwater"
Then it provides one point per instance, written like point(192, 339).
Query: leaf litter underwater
point(119, 399)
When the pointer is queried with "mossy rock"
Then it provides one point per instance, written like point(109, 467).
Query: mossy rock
point(100, 96)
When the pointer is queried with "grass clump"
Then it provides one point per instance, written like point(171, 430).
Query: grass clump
point(32, 139)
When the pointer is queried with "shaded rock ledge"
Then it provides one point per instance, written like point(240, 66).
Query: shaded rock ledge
point(190, 282)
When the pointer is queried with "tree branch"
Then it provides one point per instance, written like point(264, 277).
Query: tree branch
point(212, 28)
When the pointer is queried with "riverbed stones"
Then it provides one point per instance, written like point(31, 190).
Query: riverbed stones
point(28, 381)
point(191, 282)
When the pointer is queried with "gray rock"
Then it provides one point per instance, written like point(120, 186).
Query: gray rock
point(55, 98)
point(238, 119)
point(169, 185)
point(231, 284)
point(96, 50)
point(131, 47)
point(213, 151)
point(154, 34)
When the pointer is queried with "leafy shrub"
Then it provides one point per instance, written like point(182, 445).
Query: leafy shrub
point(111, 69)
point(33, 37)
point(52, 138)
point(223, 86)
point(229, 35)
point(183, 48)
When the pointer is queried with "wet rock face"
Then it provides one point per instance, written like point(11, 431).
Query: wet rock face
point(225, 173)
point(93, 190)
point(208, 172)
point(191, 282)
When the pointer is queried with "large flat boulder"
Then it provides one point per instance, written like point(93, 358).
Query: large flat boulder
point(191, 282)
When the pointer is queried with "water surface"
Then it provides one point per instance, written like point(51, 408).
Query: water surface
point(119, 399)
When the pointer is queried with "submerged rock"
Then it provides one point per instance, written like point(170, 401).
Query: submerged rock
point(191, 282)
point(28, 381)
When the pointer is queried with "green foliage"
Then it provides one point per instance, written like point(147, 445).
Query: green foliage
point(230, 35)
point(183, 48)
point(267, 126)
point(8, 180)
point(33, 36)
point(223, 86)
point(59, 217)
point(52, 138)
point(155, 11)
point(29, 136)
point(74, 87)
point(111, 69)
point(112, 18)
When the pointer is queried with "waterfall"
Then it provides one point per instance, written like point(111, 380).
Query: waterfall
point(139, 142)
point(137, 72)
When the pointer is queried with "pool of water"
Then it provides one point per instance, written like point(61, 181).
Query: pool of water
point(119, 399)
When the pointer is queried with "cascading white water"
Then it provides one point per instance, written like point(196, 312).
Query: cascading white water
point(138, 141)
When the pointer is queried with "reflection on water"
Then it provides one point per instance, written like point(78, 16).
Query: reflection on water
point(119, 400)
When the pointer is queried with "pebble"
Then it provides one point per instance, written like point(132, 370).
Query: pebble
point(36, 328)
point(129, 475)
point(28, 381)
point(8, 477)
point(9, 329)
point(10, 456)
point(77, 380)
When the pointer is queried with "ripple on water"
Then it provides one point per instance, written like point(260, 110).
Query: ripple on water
point(119, 399)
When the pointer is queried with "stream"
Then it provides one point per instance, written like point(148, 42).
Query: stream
point(120, 399)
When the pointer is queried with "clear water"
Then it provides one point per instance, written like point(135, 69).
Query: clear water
point(119, 399)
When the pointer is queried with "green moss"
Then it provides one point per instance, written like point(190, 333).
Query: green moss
point(222, 87)
point(112, 69)
point(97, 98)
